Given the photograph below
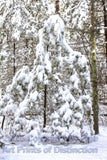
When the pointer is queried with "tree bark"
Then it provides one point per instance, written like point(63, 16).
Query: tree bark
point(45, 103)
point(94, 73)
point(14, 61)
point(57, 7)
point(105, 24)
point(2, 125)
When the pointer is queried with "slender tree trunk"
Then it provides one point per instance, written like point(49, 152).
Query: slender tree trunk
point(2, 125)
point(105, 24)
point(14, 61)
point(94, 73)
point(57, 7)
point(45, 103)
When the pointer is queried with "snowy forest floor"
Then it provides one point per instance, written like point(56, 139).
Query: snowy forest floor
point(98, 150)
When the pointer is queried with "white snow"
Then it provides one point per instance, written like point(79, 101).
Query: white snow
point(92, 151)
point(68, 115)
point(33, 96)
point(16, 19)
point(16, 34)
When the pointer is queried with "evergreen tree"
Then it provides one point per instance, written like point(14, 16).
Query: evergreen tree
point(58, 88)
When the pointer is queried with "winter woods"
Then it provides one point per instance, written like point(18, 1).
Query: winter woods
point(51, 89)
point(65, 77)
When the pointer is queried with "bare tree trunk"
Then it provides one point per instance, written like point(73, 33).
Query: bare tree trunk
point(105, 24)
point(94, 72)
point(45, 103)
point(57, 7)
point(2, 125)
point(14, 61)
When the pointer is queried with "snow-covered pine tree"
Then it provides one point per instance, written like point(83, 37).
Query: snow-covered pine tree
point(67, 77)
point(71, 85)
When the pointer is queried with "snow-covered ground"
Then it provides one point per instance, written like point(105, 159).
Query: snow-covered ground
point(97, 149)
